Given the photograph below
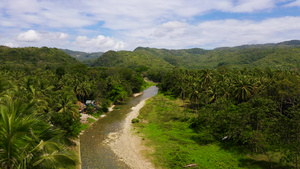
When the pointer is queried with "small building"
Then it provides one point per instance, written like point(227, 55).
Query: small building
point(92, 102)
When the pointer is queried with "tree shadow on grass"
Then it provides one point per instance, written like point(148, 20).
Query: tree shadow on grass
point(202, 140)
point(251, 163)
point(248, 162)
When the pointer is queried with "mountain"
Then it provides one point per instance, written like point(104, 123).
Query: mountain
point(135, 60)
point(82, 56)
point(34, 57)
point(284, 55)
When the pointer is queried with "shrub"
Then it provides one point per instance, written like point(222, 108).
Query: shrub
point(135, 120)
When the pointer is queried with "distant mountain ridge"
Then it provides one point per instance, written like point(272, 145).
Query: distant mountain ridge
point(283, 55)
point(82, 56)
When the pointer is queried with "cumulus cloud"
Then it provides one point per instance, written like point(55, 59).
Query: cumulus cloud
point(218, 33)
point(63, 36)
point(29, 36)
point(99, 43)
point(156, 23)
point(34, 36)
point(10, 44)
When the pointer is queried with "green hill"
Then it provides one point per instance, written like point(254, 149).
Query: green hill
point(284, 55)
point(44, 57)
point(136, 59)
point(82, 56)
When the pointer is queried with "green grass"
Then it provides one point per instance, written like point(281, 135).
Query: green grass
point(91, 120)
point(97, 115)
point(163, 127)
point(84, 126)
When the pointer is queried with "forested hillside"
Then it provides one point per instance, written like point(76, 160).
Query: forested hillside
point(134, 60)
point(30, 57)
point(284, 55)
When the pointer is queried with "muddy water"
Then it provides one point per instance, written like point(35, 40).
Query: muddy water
point(95, 153)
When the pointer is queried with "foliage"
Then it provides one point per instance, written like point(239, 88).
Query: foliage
point(91, 120)
point(27, 140)
point(135, 120)
point(176, 144)
point(278, 56)
point(38, 105)
point(256, 110)
point(82, 56)
point(31, 57)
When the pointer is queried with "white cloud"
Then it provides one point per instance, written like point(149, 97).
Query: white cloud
point(131, 23)
point(54, 35)
point(171, 29)
point(10, 44)
point(99, 43)
point(29, 36)
point(34, 36)
point(63, 36)
point(218, 33)
point(252, 5)
point(293, 4)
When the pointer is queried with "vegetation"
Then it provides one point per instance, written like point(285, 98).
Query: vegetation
point(82, 56)
point(39, 114)
point(277, 56)
point(32, 57)
point(138, 60)
point(223, 117)
point(255, 111)
point(164, 127)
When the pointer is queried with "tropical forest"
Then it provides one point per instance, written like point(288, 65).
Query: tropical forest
point(230, 107)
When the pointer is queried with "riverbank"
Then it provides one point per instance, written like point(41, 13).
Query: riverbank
point(84, 119)
point(128, 147)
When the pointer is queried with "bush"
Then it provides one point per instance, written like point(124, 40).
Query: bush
point(66, 122)
point(90, 109)
point(105, 108)
point(135, 120)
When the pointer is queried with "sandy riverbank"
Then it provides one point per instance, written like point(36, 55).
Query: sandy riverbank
point(127, 146)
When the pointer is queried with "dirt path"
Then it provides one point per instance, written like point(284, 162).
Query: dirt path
point(128, 147)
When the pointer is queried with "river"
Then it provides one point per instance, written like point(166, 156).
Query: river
point(94, 152)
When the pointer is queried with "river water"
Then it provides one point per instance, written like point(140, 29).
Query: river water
point(94, 152)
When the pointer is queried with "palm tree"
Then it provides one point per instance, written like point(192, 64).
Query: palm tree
point(67, 103)
point(21, 131)
point(5, 85)
point(243, 88)
point(194, 96)
point(83, 89)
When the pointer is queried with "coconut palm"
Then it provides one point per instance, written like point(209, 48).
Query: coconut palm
point(242, 88)
point(21, 131)
point(5, 85)
point(67, 103)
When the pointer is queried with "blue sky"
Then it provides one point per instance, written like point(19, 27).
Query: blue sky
point(101, 25)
